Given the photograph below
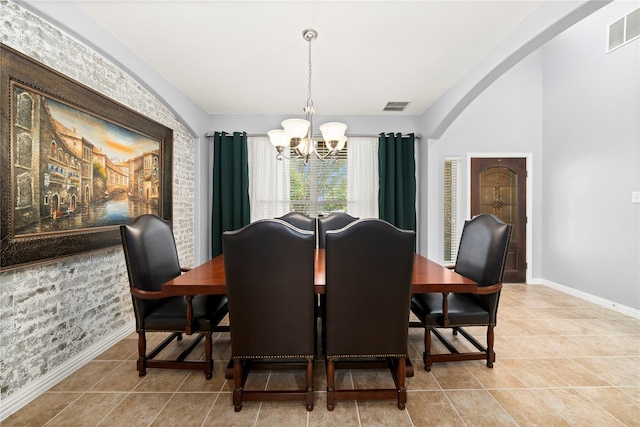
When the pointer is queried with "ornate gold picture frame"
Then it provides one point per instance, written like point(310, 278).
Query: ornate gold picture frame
point(74, 165)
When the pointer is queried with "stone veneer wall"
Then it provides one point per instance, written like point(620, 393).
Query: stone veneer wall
point(51, 312)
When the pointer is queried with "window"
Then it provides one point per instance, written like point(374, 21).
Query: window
point(24, 190)
point(24, 111)
point(319, 187)
point(452, 219)
point(24, 152)
point(349, 184)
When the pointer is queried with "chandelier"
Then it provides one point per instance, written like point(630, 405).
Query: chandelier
point(299, 132)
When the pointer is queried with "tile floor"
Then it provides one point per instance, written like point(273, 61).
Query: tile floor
point(561, 361)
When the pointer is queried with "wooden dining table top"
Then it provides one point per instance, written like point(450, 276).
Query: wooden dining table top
point(209, 278)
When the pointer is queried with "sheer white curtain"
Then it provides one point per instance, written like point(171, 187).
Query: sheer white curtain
point(362, 177)
point(269, 180)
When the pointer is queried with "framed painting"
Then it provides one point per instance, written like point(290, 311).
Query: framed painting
point(74, 165)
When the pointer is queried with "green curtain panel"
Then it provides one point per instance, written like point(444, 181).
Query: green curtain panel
point(397, 170)
point(230, 186)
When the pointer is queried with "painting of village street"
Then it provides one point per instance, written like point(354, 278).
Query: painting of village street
point(73, 170)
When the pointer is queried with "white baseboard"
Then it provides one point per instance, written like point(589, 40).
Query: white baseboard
point(40, 385)
point(591, 298)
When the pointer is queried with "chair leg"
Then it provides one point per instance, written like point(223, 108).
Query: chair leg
point(142, 354)
point(426, 357)
point(238, 382)
point(323, 316)
point(400, 377)
point(309, 390)
point(331, 396)
point(208, 356)
point(491, 355)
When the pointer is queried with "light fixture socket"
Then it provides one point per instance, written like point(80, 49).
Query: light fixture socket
point(332, 144)
point(335, 145)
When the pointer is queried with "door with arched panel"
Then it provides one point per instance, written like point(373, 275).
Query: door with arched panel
point(498, 187)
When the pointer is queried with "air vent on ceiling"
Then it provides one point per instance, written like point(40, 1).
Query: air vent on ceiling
point(624, 30)
point(396, 106)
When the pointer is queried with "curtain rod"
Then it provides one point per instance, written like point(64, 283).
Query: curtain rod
point(417, 135)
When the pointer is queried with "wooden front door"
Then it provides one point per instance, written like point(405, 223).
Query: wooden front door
point(498, 187)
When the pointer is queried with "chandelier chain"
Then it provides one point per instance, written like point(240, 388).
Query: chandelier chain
point(309, 100)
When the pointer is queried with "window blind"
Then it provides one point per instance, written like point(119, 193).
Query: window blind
point(452, 202)
point(319, 187)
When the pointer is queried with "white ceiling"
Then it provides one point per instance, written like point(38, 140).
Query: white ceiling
point(249, 57)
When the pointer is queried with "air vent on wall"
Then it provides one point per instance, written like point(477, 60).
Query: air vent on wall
point(624, 30)
point(396, 106)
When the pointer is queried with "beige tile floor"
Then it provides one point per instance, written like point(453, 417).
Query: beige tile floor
point(561, 361)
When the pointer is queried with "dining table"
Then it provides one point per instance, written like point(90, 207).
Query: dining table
point(209, 278)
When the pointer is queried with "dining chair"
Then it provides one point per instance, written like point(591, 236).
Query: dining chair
point(333, 221)
point(300, 220)
point(152, 259)
point(369, 265)
point(269, 268)
point(481, 257)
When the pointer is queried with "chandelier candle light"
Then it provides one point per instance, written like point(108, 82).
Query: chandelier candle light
point(299, 132)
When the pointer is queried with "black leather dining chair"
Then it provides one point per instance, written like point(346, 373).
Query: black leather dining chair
point(481, 257)
point(369, 266)
point(333, 221)
point(152, 259)
point(302, 221)
point(269, 268)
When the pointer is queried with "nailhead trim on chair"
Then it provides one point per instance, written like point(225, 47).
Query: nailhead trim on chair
point(295, 356)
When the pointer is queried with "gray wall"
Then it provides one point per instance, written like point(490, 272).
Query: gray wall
point(52, 312)
point(591, 143)
point(506, 118)
point(576, 110)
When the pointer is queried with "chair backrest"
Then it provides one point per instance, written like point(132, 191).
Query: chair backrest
point(369, 265)
point(269, 267)
point(483, 249)
point(300, 220)
point(333, 221)
point(150, 252)
point(151, 258)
